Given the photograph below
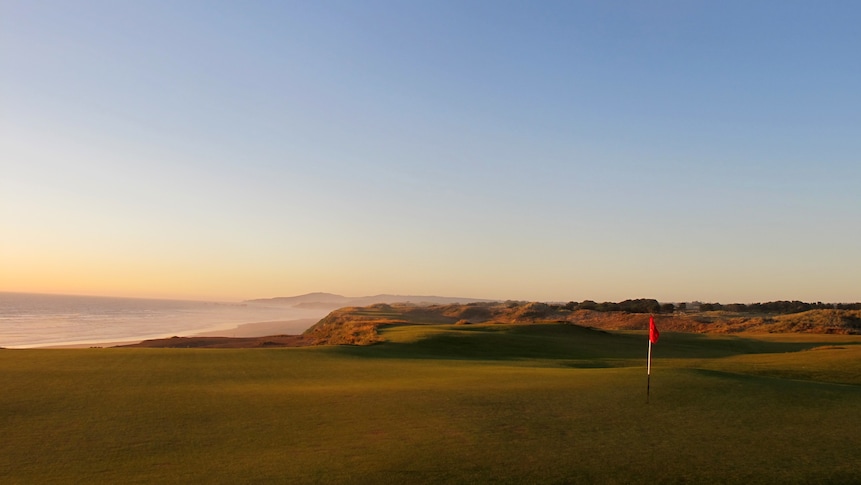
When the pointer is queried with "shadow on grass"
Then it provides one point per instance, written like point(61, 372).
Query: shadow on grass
point(786, 377)
point(567, 344)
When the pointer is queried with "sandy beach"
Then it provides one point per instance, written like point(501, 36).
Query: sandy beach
point(263, 329)
point(245, 330)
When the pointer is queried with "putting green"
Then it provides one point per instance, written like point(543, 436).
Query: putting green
point(441, 404)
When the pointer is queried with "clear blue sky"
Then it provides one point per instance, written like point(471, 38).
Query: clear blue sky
point(569, 150)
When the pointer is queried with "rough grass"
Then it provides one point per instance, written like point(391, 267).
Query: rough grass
point(440, 404)
point(360, 325)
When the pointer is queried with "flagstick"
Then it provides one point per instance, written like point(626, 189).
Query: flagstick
point(649, 371)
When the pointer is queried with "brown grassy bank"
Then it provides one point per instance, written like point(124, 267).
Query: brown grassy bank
point(359, 325)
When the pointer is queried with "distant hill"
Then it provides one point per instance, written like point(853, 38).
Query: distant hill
point(317, 297)
point(320, 300)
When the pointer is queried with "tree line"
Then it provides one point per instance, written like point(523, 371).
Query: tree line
point(648, 305)
point(781, 306)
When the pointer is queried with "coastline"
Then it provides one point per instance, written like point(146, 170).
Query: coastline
point(262, 329)
point(243, 330)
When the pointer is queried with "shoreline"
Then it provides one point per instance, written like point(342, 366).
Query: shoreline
point(242, 330)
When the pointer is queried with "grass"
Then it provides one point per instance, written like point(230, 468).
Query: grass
point(440, 404)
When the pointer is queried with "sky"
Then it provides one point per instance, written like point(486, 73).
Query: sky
point(549, 151)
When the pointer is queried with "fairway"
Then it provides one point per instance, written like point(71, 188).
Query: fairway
point(440, 404)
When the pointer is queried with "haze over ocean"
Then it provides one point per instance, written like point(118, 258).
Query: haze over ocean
point(32, 320)
point(548, 151)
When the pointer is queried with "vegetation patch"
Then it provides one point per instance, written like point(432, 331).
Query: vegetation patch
point(360, 325)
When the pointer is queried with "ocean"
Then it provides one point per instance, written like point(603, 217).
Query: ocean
point(36, 320)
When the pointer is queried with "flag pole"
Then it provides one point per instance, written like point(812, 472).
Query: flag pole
point(653, 337)
point(649, 372)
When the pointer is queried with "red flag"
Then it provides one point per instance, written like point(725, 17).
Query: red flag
point(653, 330)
